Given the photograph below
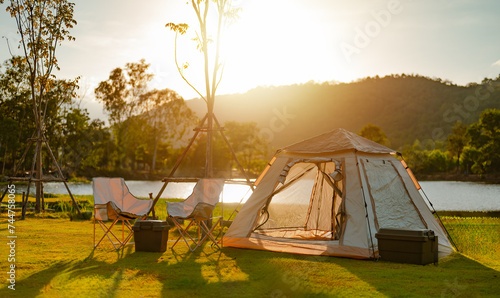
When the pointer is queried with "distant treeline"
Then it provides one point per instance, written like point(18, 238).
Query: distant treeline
point(406, 107)
point(150, 128)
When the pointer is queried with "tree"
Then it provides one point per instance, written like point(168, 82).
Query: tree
point(84, 146)
point(16, 104)
point(468, 159)
point(457, 140)
point(8, 140)
point(485, 137)
point(168, 116)
point(15, 107)
point(374, 133)
point(81, 146)
point(251, 149)
point(120, 94)
point(436, 162)
point(42, 26)
point(225, 14)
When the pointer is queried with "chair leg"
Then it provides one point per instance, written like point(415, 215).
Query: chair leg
point(184, 232)
point(120, 243)
point(108, 231)
point(202, 229)
point(208, 233)
point(125, 240)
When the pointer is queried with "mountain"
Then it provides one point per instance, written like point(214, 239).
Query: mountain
point(407, 108)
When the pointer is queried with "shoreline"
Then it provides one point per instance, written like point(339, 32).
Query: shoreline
point(461, 178)
point(459, 213)
point(489, 179)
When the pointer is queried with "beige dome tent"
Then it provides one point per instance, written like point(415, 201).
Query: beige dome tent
point(329, 195)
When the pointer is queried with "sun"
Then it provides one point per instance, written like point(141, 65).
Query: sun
point(271, 43)
point(278, 43)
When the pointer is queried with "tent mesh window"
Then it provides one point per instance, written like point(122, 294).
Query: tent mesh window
point(393, 205)
point(305, 205)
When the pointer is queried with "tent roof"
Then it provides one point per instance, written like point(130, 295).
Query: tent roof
point(337, 140)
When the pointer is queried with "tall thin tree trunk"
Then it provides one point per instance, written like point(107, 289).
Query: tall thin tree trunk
point(39, 174)
point(4, 158)
point(209, 155)
point(153, 166)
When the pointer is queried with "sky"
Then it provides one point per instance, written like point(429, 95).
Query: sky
point(281, 42)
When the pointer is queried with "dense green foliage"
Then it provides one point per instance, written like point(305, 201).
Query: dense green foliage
point(68, 128)
point(436, 125)
point(374, 133)
point(484, 143)
point(147, 126)
point(472, 149)
point(145, 123)
point(425, 119)
point(148, 129)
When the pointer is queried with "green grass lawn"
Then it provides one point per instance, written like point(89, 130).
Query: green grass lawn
point(55, 258)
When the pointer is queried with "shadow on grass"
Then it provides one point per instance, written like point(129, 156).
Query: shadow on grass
point(250, 273)
point(34, 284)
point(301, 276)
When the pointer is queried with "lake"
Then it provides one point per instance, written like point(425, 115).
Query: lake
point(444, 195)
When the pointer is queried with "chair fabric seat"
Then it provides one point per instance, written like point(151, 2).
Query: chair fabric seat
point(198, 208)
point(113, 201)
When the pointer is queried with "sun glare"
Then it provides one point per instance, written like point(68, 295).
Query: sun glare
point(281, 43)
point(271, 43)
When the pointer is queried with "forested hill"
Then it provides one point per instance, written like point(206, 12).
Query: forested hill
point(407, 108)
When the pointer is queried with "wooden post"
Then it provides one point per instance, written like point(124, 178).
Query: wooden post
point(23, 206)
point(5, 191)
point(43, 198)
point(38, 145)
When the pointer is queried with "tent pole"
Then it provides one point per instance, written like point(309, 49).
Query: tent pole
point(439, 218)
point(366, 206)
point(419, 187)
point(235, 210)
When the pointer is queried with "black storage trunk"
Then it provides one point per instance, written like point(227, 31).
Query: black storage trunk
point(151, 235)
point(408, 246)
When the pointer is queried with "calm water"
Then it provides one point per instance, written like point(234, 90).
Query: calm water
point(444, 195)
point(463, 196)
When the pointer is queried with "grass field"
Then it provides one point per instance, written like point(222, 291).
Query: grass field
point(54, 258)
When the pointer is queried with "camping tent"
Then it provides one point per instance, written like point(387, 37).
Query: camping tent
point(329, 195)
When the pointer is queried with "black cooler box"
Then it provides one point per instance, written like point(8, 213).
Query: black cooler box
point(151, 235)
point(408, 246)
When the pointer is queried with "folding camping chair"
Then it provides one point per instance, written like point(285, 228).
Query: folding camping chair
point(198, 208)
point(113, 201)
